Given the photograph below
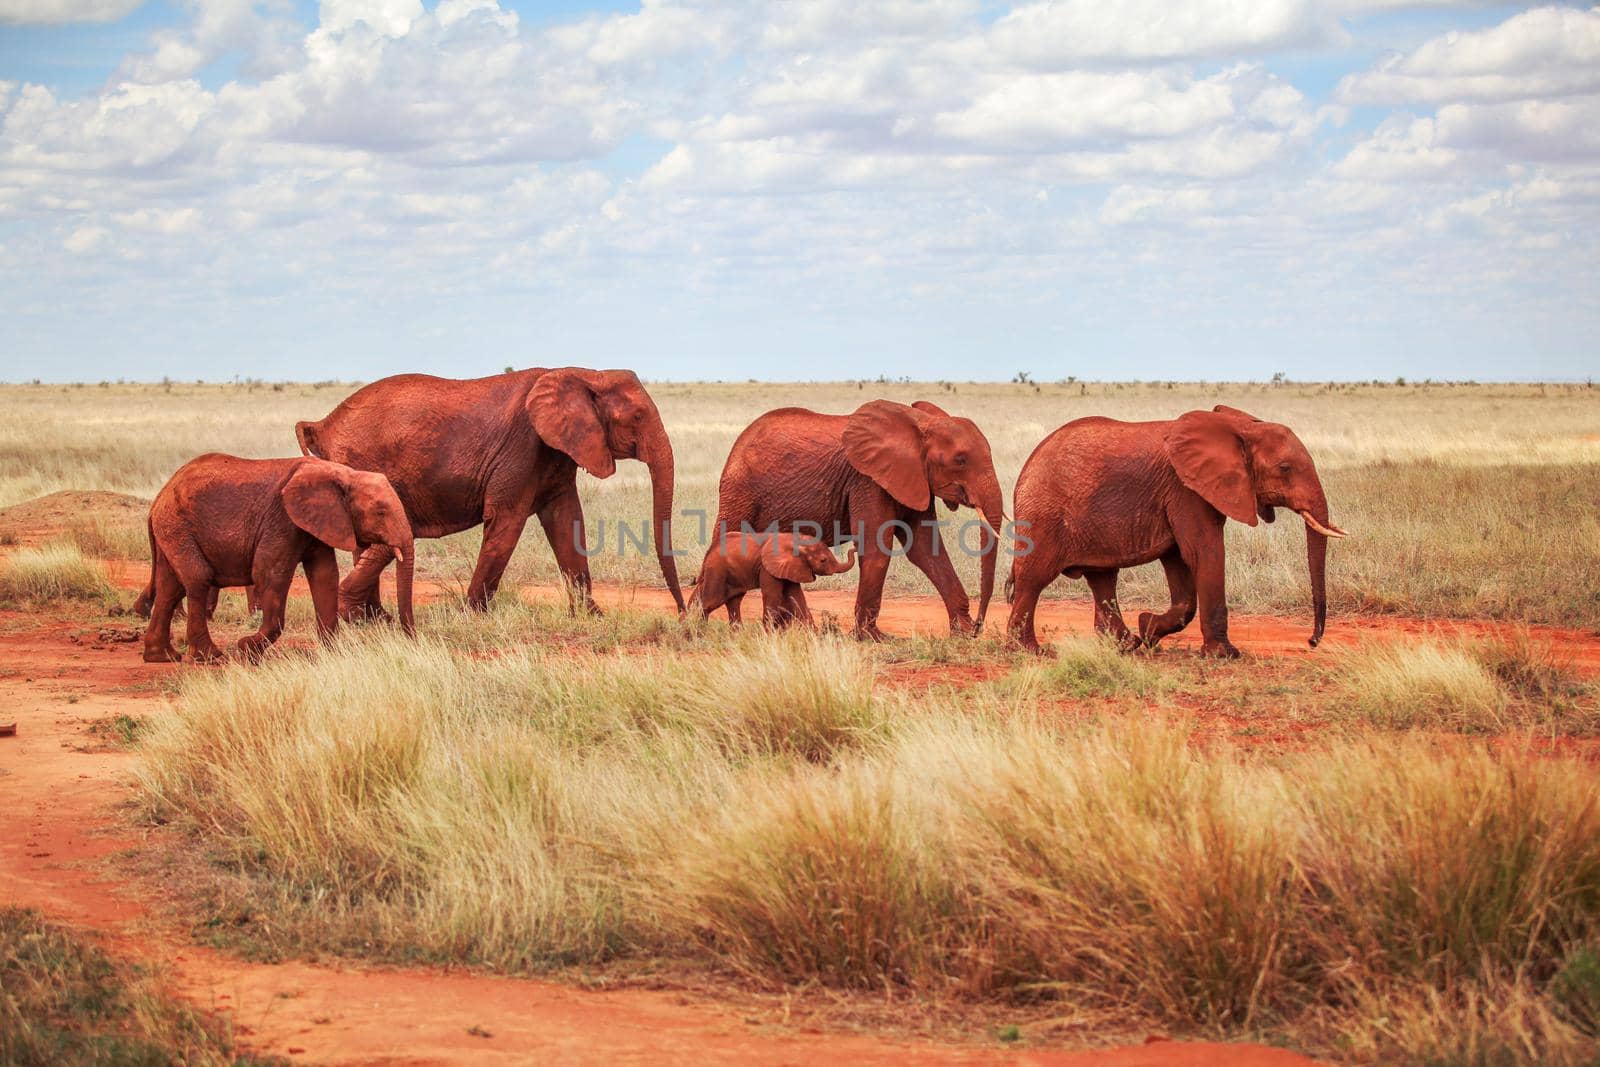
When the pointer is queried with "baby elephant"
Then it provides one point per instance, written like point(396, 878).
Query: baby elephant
point(224, 521)
point(776, 563)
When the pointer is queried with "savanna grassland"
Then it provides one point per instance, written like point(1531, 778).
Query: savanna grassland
point(1464, 500)
point(1383, 852)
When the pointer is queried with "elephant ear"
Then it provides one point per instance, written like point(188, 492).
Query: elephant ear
point(782, 561)
point(883, 440)
point(1223, 409)
point(317, 499)
point(1208, 455)
point(931, 408)
point(564, 414)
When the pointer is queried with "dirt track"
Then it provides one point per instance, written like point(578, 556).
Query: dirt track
point(62, 797)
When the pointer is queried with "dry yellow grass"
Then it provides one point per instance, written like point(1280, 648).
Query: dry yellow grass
point(767, 809)
point(51, 573)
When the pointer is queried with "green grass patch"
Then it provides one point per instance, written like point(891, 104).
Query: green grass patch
point(64, 1001)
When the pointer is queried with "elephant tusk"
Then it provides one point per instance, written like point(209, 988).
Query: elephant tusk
point(1325, 531)
point(399, 556)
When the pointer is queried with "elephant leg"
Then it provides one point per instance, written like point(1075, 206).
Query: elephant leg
point(794, 603)
point(926, 550)
point(1031, 574)
point(1208, 561)
point(710, 593)
point(201, 648)
point(562, 519)
point(772, 597)
point(165, 593)
point(502, 529)
point(358, 593)
point(272, 593)
point(211, 602)
point(1180, 581)
point(322, 575)
point(735, 605)
point(252, 603)
point(869, 592)
point(1107, 611)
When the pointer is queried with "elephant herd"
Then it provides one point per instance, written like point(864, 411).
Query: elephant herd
point(419, 456)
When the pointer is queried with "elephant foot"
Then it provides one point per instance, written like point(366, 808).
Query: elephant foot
point(963, 626)
point(1222, 649)
point(206, 654)
point(362, 611)
point(253, 646)
point(870, 632)
point(163, 655)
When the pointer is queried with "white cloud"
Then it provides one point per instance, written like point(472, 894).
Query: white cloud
point(55, 12)
point(84, 239)
point(1057, 32)
point(1546, 52)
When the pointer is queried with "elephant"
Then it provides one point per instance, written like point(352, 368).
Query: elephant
point(494, 451)
point(872, 477)
point(777, 564)
point(225, 521)
point(1098, 495)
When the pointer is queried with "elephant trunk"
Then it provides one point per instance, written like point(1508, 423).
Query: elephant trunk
point(838, 567)
point(656, 452)
point(1318, 529)
point(405, 568)
point(991, 504)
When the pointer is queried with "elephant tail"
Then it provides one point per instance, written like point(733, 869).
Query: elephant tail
point(1011, 589)
point(141, 606)
point(306, 434)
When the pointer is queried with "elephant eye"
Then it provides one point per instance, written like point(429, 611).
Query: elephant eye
point(961, 459)
point(1283, 467)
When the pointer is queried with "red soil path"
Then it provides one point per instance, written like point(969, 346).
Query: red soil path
point(58, 794)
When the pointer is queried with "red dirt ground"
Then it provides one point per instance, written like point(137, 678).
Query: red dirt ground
point(59, 792)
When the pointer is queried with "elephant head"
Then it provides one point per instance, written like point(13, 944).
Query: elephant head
point(1247, 468)
point(920, 452)
point(810, 559)
point(341, 507)
point(599, 417)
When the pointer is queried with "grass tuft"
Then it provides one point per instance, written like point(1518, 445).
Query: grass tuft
point(53, 573)
point(103, 538)
point(1405, 685)
point(1089, 665)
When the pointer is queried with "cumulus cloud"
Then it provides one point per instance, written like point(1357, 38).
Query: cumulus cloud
point(1546, 52)
point(1056, 32)
point(54, 12)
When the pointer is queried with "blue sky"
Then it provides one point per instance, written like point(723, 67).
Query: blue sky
point(816, 189)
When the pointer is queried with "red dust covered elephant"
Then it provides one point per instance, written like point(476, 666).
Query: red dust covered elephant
point(225, 521)
point(495, 451)
point(873, 476)
point(1099, 495)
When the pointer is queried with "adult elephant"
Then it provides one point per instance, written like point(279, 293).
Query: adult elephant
point(494, 451)
point(872, 477)
point(1098, 495)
